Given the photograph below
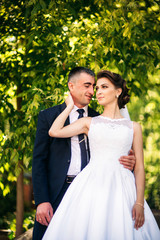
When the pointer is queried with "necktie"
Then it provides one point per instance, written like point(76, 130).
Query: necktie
point(82, 143)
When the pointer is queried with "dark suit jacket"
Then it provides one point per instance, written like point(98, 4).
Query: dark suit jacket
point(51, 157)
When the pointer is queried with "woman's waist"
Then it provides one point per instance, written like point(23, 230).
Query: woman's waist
point(108, 155)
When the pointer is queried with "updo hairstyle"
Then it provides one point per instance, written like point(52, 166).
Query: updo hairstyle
point(118, 82)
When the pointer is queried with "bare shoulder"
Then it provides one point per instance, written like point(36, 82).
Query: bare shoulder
point(137, 127)
point(85, 121)
point(88, 121)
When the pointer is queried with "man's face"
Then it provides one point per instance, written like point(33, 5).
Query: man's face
point(82, 89)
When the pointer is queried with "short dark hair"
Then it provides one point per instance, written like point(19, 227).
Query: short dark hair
point(118, 82)
point(78, 70)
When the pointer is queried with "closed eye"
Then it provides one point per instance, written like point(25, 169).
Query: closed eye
point(87, 85)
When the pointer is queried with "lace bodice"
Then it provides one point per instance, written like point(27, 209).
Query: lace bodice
point(110, 138)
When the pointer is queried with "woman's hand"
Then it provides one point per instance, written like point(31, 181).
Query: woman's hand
point(69, 101)
point(138, 215)
point(58, 129)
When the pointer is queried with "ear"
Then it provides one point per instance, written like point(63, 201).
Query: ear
point(118, 91)
point(70, 86)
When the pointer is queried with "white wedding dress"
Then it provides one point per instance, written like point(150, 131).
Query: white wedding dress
point(98, 204)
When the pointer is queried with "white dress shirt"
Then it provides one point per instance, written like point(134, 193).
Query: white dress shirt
point(75, 163)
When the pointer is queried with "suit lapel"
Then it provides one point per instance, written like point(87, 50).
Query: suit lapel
point(90, 113)
point(67, 122)
point(63, 106)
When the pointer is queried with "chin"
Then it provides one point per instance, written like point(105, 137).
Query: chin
point(87, 102)
point(84, 104)
point(101, 104)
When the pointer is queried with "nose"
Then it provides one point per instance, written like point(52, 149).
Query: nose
point(91, 90)
point(98, 91)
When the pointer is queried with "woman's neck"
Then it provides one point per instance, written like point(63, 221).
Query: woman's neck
point(112, 112)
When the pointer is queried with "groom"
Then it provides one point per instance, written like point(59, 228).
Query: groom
point(57, 161)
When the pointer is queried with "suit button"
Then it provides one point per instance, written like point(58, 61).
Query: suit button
point(69, 161)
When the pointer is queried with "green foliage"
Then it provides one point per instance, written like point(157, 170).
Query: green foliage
point(28, 222)
point(7, 205)
point(41, 41)
point(146, 110)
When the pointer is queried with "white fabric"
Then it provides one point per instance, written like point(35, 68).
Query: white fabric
point(98, 204)
point(75, 164)
point(124, 112)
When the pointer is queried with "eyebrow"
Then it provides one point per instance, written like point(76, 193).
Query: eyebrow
point(103, 84)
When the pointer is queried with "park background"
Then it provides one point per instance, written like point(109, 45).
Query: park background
point(41, 41)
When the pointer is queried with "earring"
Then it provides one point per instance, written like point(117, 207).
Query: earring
point(117, 96)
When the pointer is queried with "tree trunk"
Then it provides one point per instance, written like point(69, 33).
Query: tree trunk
point(20, 203)
point(20, 193)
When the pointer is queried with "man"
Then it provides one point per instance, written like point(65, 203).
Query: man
point(57, 161)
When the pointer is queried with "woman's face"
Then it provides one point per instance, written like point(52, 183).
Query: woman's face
point(106, 92)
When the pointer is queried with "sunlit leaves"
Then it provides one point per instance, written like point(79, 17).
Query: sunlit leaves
point(146, 110)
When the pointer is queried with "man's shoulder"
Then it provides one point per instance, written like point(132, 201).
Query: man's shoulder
point(51, 113)
point(56, 108)
point(92, 112)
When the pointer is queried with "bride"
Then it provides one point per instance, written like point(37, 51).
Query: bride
point(106, 200)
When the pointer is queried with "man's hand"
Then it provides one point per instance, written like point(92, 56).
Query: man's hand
point(128, 161)
point(44, 213)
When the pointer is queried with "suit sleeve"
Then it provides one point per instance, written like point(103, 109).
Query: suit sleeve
point(39, 166)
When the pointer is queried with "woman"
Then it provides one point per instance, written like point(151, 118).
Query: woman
point(105, 201)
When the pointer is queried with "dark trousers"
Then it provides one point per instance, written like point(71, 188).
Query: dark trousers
point(39, 229)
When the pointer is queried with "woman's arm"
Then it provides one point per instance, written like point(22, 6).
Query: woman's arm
point(138, 208)
point(80, 126)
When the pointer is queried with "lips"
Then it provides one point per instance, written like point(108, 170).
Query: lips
point(90, 97)
point(100, 98)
